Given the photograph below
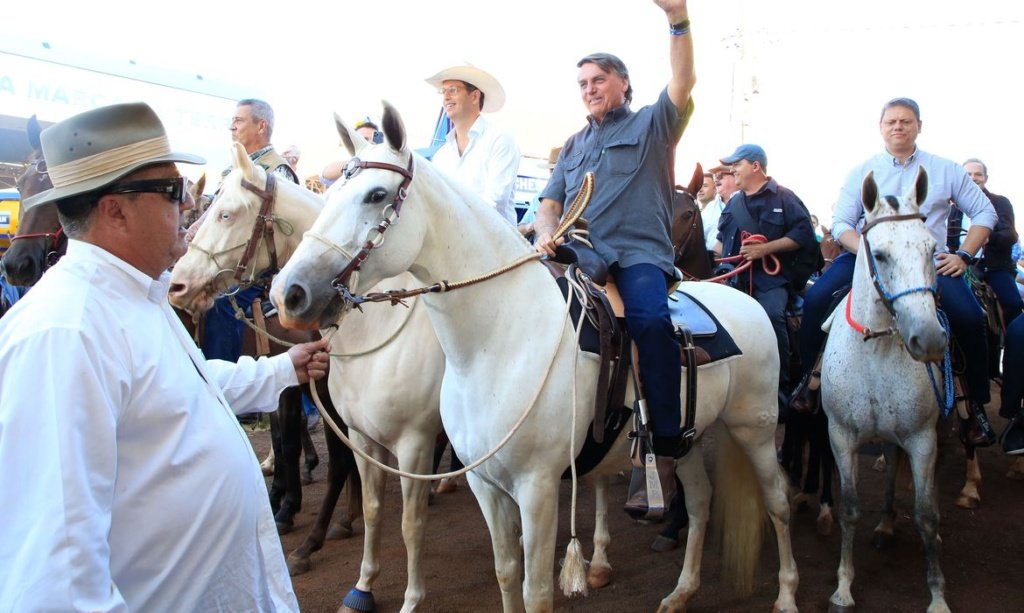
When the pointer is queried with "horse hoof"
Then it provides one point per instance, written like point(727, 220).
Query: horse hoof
point(284, 527)
point(298, 565)
point(661, 544)
point(882, 540)
point(840, 608)
point(306, 477)
point(358, 601)
point(599, 576)
point(968, 502)
point(338, 531)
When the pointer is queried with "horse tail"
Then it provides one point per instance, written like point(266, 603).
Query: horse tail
point(739, 512)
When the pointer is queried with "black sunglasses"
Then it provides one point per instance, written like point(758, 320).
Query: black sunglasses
point(176, 189)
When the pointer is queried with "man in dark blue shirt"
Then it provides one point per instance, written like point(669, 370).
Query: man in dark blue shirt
point(766, 223)
point(632, 156)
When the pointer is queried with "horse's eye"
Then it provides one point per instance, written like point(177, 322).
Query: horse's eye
point(225, 216)
point(376, 196)
point(880, 256)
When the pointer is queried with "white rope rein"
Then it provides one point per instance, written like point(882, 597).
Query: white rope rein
point(431, 477)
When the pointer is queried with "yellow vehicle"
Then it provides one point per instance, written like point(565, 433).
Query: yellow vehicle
point(10, 202)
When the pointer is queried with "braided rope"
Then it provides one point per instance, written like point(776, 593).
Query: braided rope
point(432, 477)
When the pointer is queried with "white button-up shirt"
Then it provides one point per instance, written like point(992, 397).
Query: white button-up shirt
point(127, 483)
point(488, 166)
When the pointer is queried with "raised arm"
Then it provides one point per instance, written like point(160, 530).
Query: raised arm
point(680, 52)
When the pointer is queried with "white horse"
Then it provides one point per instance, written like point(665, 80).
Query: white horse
point(509, 350)
point(387, 411)
point(877, 386)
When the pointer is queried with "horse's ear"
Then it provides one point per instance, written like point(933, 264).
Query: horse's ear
point(353, 141)
point(696, 181)
point(920, 191)
point(394, 129)
point(242, 162)
point(33, 131)
point(198, 187)
point(869, 192)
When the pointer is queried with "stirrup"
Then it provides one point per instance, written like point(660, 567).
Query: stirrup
point(651, 488)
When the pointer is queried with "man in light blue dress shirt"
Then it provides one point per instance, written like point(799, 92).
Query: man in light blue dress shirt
point(895, 170)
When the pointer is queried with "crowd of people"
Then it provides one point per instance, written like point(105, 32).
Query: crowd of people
point(130, 421)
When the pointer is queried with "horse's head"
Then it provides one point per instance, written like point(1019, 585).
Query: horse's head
point(897, 254)
point(358, 240)
point(240, 236)
point(39, 241)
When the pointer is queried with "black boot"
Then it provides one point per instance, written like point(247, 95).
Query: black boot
point(976, 431)
point(1012, 438)
point(805, 395)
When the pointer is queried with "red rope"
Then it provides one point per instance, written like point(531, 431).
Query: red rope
point(770, 262)
point(849, 317)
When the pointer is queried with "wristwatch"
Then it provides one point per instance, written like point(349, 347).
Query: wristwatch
point(966, 257)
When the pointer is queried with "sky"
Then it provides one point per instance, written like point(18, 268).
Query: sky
point(805, 79)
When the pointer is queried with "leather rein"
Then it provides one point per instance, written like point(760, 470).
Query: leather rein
point(884, 296)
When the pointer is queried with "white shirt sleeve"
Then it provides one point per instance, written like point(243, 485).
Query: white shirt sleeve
point(253, 385)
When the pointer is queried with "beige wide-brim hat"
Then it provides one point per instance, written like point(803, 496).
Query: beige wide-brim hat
point(97, 147)
point(494, 93)
point(552, 157)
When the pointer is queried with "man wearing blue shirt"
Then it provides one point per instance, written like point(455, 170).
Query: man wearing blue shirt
point(632, 155)
point(895, 169)
point(763, 207)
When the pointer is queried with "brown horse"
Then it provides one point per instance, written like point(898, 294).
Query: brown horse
point(40, 241)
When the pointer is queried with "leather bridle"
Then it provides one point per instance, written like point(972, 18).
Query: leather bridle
point(55, 239)
point(375, 237)
point(262, 230)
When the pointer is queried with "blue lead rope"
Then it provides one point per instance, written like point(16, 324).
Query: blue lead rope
point(947, 371)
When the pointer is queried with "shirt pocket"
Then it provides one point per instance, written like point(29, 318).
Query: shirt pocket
point(622, 156)
point(572, 169)
point(773, 224)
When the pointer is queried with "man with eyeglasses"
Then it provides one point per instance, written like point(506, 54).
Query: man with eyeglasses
point(895, 170)
point(476, 152)
point(632, 155)
point(143, 493)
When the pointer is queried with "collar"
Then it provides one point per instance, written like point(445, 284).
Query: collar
point(475, 130)
point(255, 155)
point(896, 161)
point(613, 115)
point(154, 289)
point(771, 185)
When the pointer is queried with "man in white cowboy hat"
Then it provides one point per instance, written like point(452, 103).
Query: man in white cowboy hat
point(477, 152)
point(137, 490)
point(632, 154)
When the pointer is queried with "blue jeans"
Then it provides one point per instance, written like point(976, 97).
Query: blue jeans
point(816, 302)
point(966, 319)
point(1004, 285)
point(222, 333)
point(644, 291)
point(774, 301)
point(1013, 370)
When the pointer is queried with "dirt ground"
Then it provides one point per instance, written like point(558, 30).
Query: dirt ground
point(981, 550)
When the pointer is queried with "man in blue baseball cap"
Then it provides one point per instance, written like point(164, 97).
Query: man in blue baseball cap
point(770, 227)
